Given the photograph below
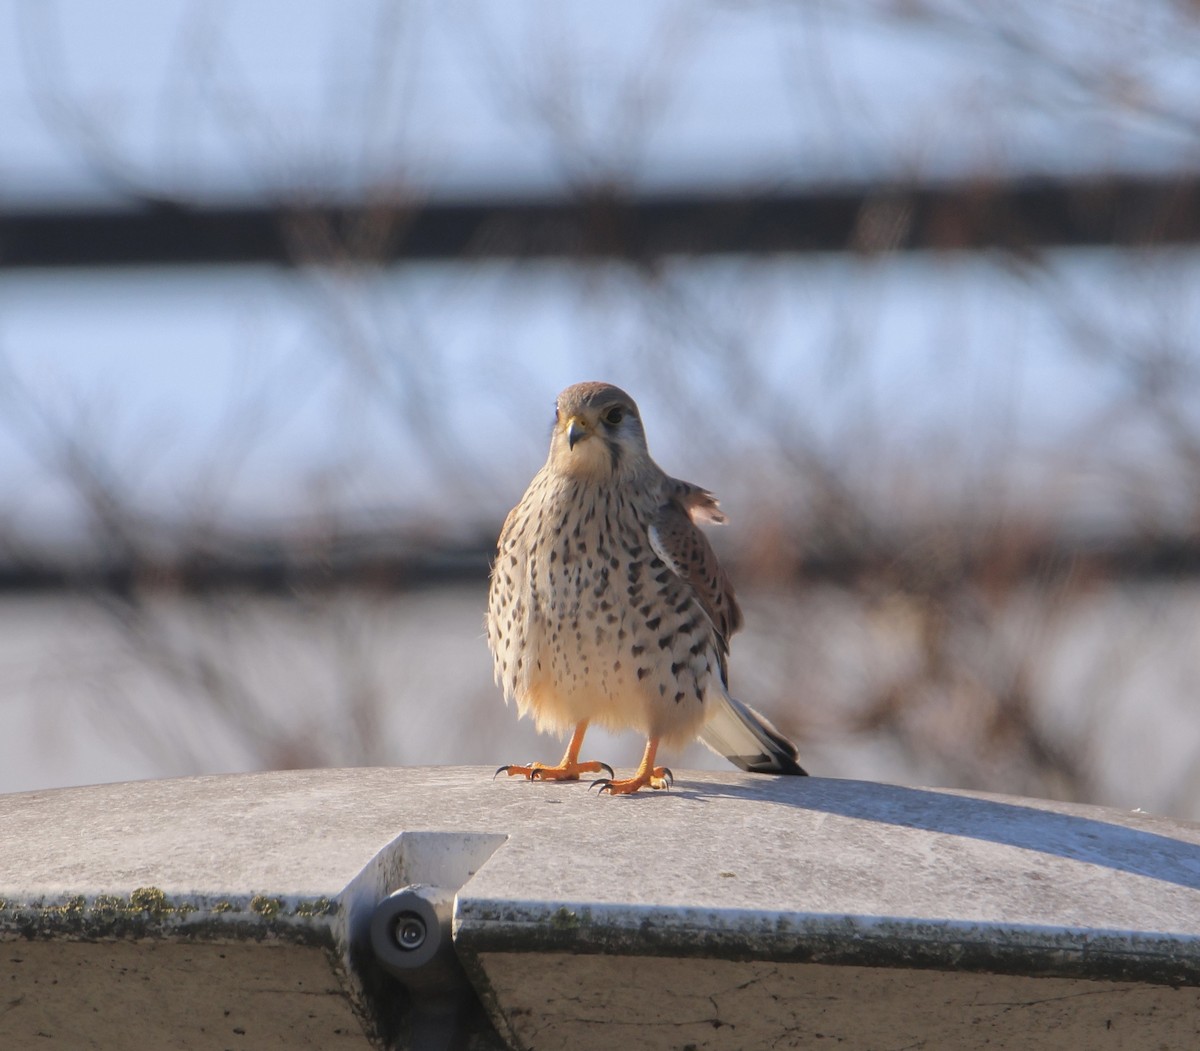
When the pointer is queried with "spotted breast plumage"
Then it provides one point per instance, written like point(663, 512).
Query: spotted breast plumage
point(607, 603)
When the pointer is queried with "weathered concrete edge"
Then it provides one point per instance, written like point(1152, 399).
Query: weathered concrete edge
point(335, 923)
point(324, 923)
point(895, 942)
point(148, 912)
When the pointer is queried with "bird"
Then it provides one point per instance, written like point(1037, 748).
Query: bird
point(607, 604)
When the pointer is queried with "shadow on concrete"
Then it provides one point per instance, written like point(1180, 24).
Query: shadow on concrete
point(1111, 845)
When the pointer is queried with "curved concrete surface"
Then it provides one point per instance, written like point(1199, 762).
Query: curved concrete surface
point(734, 912)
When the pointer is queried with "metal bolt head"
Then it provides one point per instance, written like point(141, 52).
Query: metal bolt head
point(410, 931)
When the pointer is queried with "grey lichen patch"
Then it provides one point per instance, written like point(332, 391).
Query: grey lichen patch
point(108, 906)
point(315, 907)
point(72, 907)
point(150, 900)
point(105, 915)
point(266, 907)
point(564, 920)
point(149, 912)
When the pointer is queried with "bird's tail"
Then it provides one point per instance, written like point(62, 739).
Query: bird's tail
point(748, 739)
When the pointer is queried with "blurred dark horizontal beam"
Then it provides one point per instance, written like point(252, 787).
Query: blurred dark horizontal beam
point(278, 566)
point(1023, 215)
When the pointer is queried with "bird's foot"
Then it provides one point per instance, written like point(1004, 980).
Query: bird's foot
point(659, 777)
point(562, 772)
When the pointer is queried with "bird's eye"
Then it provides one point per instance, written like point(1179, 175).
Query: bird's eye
point(614, 415)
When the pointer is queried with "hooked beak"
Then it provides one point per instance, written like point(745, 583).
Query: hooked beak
point(577, 430)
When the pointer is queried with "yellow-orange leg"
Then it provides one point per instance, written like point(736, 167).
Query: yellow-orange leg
point(647, 774)
point(568, 770)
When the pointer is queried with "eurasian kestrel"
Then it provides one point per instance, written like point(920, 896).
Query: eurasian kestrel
point(607, 603)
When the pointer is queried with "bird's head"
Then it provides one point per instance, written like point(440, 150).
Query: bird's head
point(597, 433)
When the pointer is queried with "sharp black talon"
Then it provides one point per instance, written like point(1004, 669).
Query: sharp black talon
point(533, 773)
point(604, 782)
point(611, 772)
point(500, 770)
point(668, 776)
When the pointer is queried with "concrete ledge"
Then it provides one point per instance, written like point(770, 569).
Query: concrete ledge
point(230, 911)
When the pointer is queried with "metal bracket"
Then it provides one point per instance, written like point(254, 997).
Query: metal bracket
point(412, 940)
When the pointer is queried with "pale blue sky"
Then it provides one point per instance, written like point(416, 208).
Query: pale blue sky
point(210, 97)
